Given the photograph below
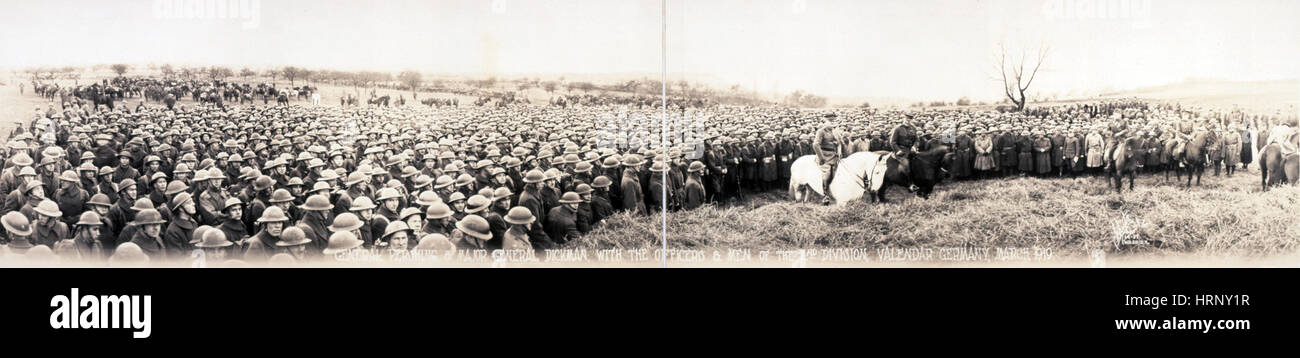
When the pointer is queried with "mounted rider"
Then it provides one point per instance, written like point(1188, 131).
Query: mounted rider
point(829, 147)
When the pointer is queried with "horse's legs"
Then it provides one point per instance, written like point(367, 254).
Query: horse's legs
point(1131, 177)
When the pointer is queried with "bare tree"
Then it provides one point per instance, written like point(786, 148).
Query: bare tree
point(1015, 81)
point(120, 69)
point(290, 73)
point(411, 79)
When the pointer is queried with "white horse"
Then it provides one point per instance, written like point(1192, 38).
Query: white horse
point(855, 176)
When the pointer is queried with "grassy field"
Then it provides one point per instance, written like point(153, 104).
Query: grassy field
point(1225, 221)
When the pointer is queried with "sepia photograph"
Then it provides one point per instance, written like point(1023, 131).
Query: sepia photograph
point(332, 173)
point(647, 133)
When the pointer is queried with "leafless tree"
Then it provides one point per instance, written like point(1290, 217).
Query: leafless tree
point(1015, 81)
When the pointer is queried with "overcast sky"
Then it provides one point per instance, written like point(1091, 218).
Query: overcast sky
point(913, 49)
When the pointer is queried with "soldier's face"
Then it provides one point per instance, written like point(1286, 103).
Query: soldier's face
point(415, 223)
point(216, 253)
point(153, 230)
point(398, 241)
point(274, 228)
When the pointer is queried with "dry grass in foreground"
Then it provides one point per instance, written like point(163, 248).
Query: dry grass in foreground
point(1224, 217)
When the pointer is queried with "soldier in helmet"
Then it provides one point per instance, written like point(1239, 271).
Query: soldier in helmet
point(232, 222)
point(86, 237)
point(18, 231)
point(295, 243)
point(49, 230)
point(271, 224)
point(148, 234)
point(215, 245)
point(181, 229)
point(562, 221)
point(438, 220)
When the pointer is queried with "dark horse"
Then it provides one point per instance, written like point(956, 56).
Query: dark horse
point(1194, 156)
point(380, 101)
point(1123, 162)
point(917, 171)
point(1276, 167)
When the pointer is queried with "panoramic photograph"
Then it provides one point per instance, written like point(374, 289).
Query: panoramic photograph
point(676, 133)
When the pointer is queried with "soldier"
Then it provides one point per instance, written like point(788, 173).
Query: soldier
point(181, 229)
point(601, 206)
point(694, 193)
point(149, 235)
point(17, 232)
point(829, 151)
point(631, 186)
point(49, 230)
point(472, 233)
point(562, 221)
point(263, 244)
point(1006, 144)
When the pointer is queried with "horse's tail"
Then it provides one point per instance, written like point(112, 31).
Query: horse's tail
point(1263, 167)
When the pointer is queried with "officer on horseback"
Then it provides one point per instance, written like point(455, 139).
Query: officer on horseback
point(829, 147)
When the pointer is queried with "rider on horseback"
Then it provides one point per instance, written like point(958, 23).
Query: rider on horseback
point(829, 144)
point(1280, 134)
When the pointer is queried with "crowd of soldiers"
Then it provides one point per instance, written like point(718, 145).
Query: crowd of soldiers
point(294, 182)
point(250, 182)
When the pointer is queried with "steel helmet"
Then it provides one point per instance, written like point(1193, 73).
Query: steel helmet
point(388, 193)
point(346, 222)
point(477, 203)
point(476, 226)
point(361, 203)
point(427, 198)
point(272, 214)
point(16, 224)
point(570, 198)
point(436, 242)
point(90, 218)
point(520, 216)
point(342, 241)
point(438, 210)
point(317, 203)
point(292, 236)
point(280, 196)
